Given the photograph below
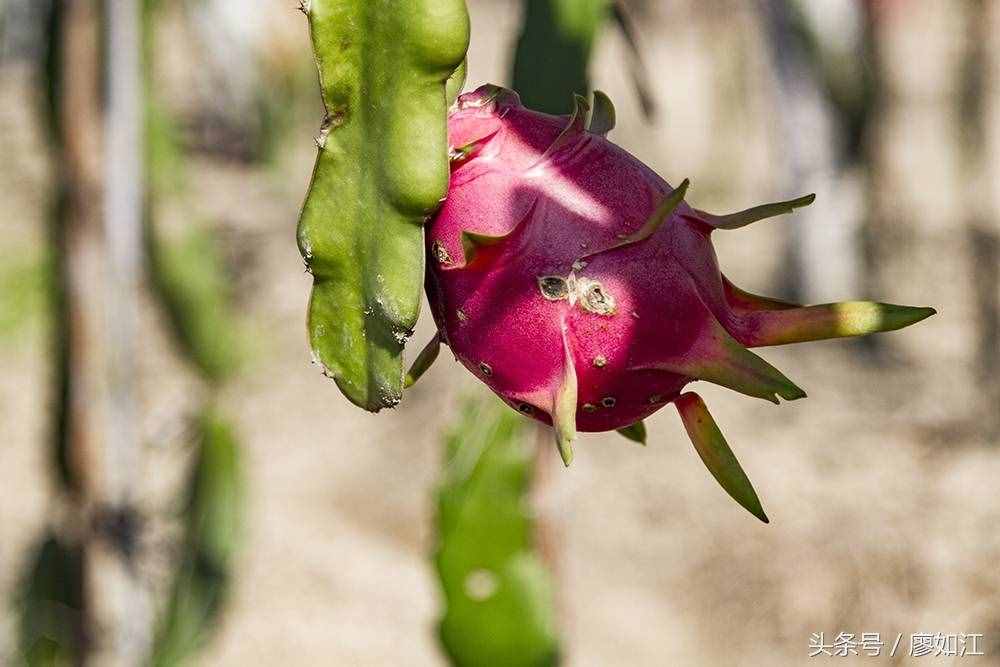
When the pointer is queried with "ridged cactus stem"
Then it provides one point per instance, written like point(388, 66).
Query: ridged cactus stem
point(382, 169)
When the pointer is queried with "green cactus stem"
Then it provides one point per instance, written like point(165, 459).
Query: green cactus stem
point(554, 48)
point(382, 169)
point(213, 526)
point(499, 609)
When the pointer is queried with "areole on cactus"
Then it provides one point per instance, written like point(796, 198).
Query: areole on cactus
point(584, 290)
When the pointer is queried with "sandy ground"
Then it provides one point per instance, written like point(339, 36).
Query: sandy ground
point(882, 497)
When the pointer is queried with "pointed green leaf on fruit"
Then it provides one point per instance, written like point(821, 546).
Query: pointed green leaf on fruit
point(636, 432)
point(755, 214)
point(382, 169)
point(832, 320)
point(662, 213)
point(453, 87)
point(714, 451)
point(740, 299)
point(720, 359)
point(564, 406)
point(733, 366)
point(473, 242)
point(602, 118)
point(423, 361)
point(456, 156)
point(574, 131)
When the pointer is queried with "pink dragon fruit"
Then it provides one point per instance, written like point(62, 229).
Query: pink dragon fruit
point(584, 291)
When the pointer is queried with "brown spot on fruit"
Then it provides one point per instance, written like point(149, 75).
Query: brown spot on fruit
point(595, 299)
point(440, 253)
point(553, 288)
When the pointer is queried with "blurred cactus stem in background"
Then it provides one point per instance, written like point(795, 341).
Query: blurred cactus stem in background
point(82, 598)
point(977, 105)
point(553, 51)
point(382, 169)
point(213, 525)
point(499, 609)
point(97, 153)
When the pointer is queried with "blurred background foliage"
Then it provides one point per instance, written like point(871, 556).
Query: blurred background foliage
point(498, 595)
point(273, 523)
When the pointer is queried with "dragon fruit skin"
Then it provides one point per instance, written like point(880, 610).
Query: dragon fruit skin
point(582, 289)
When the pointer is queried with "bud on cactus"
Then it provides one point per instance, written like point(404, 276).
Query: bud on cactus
point(583, 290)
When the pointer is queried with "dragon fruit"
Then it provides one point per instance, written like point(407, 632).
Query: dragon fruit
point(583, 290)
